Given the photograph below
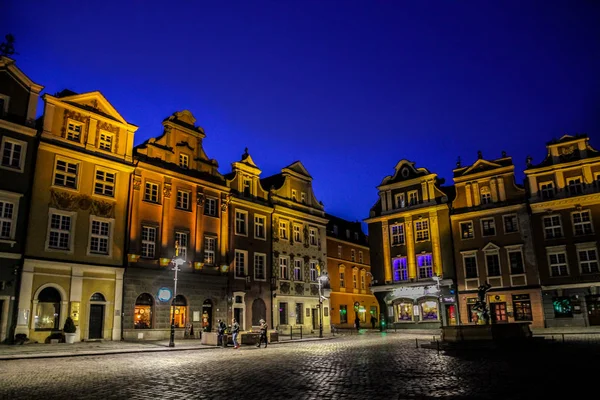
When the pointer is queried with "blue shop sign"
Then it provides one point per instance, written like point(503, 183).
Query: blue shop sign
point(164, 294)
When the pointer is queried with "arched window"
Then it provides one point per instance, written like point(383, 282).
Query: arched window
point(180, 304)
point(97, 297)
point(142, 317)
point(47, 315)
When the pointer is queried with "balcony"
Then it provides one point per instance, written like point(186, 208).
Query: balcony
point(580, 189)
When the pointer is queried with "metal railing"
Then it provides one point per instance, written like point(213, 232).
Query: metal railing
point(282, 332)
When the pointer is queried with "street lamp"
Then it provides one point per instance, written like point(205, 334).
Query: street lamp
point(321, 279)
point(177, 262)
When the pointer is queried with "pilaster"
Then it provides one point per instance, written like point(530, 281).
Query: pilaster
point(118, 301)
point(494, 190)
point(32, 106)
point(476, 194)
point(24, 313)
point(387, 261)
point(165, 224)
point(468, 195)
point(435, 243)
point(410, 248)
point(501, 189)
point(533, 187)
point(424, 191)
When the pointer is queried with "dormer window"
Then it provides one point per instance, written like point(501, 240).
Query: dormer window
point(74, 130)
point(547, 190)
point(413, 198)
point(184, 161)
point(247, 187)
point(303, 197)
point(335, 230)
point(574, 186)
point(400, 200)
point(294, 195)
point(106, 141)
point(486, 196)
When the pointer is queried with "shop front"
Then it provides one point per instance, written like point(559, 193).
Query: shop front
point(506, 307)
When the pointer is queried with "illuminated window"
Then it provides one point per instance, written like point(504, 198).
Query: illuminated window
point(74, 130)
point(297, 235)
point(470, 263)
point(429, 310)
point(66, 173)
point(522, 307)
point(148, 241)
point(294, 195)
point(47, 313)
point(362, 280)
point(241, 263)
point(283, 234)
point(511, 223)
point(558, 264)
point(397, 234)
point(142, 314)
point(582, 223)
point(353, 255)
point(299, 313)
point(466, 230)
point(183, 200)
point(283, 267)
point(182, 244)
point(562, 307)
point(7, 219)
point(241, 223)
point(151, 192)
point(488, 227)
point(180, 306)
point(106, 141)
point(342, 279)
point(184, 161)
point(354, 279)
point(400, 269)
point(547, 190)
point(259, 227)
point(425, 265)
point(210, 245)
point(60, 233)
point(552, 227)
point(260, 260)
point(413, 198)
point(104, 183)
point(399, 199)
point(404, 311)
point(312, 236)
point(360, 257)
point(100, 232)
point(297, 269)
point(210, 207)
point(422, 230)
point(313, 270)
point(13, 153)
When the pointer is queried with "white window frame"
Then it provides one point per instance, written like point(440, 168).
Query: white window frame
point(183, 248)
point(298, 266)
point(108, 139)
point(105, 183)
point(352, 255)
point(515, 249)
point(66, 173)
point(73, 216)
point(151, 184)
point(398, 238)
point(363, 280)
point(339, 253)
point(553, 227)
point(22, 157)
point(470, 254)
point(422, 230)
point(241, 220)
point(355, 278)
point(482, 220)
point(260, 221)
point(68, 130)
point(312, 236)
point(401, 269)
point(297, 232)
point(210, 250)
point(413, 194)
point(342, 272)
point(589, 246)
point(14, 199)
point(109, 238)
point(504, 217)
point(263, 257)
point(183, 200)
point(184, 161)
point(294, 195)
point(284, 268)
point(425, 267)
point(240, 270)
point(556, 250)
point(360, 257)
point(283, 228)
point(399, 200)
point(460, 230)
point(313, 273)
point(211, 205)
point(148, 242)
point(583, 224)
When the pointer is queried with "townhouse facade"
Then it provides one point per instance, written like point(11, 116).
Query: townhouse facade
point(564, 196)
point(493, 243)
point(411, 249)
point(18, 145)
point(349, 267)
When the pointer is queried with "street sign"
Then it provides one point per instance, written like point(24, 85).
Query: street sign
point(164, 294)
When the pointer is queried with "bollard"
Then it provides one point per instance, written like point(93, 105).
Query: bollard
point(438, 346)
point(417, 342)
point(300, 332)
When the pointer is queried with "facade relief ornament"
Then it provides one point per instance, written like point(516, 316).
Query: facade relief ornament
point(167, 190)
point(299, 289)
point(105, 126)
point(225, 202)
point(200, 199)
point(137, 183)
point(103, 209)
point(63, 200)
point(275, 229)
point(75, 202)
point(74, 115)
point(284, 287)
point(84, 202)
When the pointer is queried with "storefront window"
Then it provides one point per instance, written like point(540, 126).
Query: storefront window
point(404, 311)
point(142, 316)
point(343, 314)
point(522, 307)
point(562, 307)
point(180, 311)
point(47, 315)
point(429, 310)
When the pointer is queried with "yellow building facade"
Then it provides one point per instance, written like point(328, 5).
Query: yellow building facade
point(78, 220)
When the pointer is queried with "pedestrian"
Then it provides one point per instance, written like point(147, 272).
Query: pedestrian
point(235, 330)
point(357, 323)
point(220, 332)
point(373, 321)
point(263, 333)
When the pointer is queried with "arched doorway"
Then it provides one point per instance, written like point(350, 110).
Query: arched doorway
point(47, 314)
point(97, 308)
point(207, 315)
point(259, 311)
point(180, 305)
point(142, 318)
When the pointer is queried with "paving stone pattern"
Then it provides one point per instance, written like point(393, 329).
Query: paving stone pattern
point(356, 367)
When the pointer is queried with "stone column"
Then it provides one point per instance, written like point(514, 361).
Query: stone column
point(383, 203)
point(90, 135)
point(224, 239)
point(435, 243)
point(118, 302)
point(560, 180)
point(410, 248)
point(468, 195)
point(587, 174)
point(388, 199)
point(533, 187)
point(501, 190)
point(387, 261)
point(75, 296)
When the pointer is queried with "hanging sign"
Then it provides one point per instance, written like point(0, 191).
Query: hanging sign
point(164, 294)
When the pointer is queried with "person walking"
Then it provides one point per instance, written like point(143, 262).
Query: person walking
point(220, 332)
point(235, 330)
point(357, 323)
point(263, 333)
point(373, 321)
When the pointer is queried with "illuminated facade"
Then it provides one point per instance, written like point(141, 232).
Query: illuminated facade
point(299, 254)
point(493, 243)
point(18, 103)
point(564, 197)
point(76, 236)
point(249, 285)
point(411, 249)
point(177, 198)
point(349, 268)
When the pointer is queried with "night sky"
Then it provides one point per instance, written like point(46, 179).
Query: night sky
point(347, 87)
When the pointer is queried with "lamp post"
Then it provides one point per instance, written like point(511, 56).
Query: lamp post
point(320, 279)
point(177, 262)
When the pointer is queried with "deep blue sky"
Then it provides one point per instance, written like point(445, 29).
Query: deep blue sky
point(347, 87)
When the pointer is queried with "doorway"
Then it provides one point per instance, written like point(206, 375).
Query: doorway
point(593, 308)
point(499, 312)
point(315, 318)
point(238, 314)
point(96, 320)
point(451, 314)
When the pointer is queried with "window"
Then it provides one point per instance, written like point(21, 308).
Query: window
point(354, 278)
point(182, 244)
point(339, 252)
point(74, 131)
point(399, 199)
point(183, 200)
point(283, 313)
point(552, 227)
point(104, 184)
point(297, 236)
point(413, 198)
point(151, 192)
point(492, 261)
point(422, 230)
point(355, 235)
point(312, 236)
point(486, 196)
point(142, 315)
point(47, 313)
point(297, 269)
point(397, 234)
point(283, 234)
point(241, 223)
point(342, 279)
point(515, 260)
point(588, 260)
point(558, 264)
point(210, 245)
point(259, 227)
point(352, 255)
point(582, 223)
point(148, 241)
point(335, 230)
point(429, 310)
point(210, 207)
point(283, 267)
point(65, 174)
point(522, 307)
point(470, 262)
point(299, 313)
point(313, 270)
point(180, 306)
point(562, 307)
point(247, 187)
point(303, 197)
point(241, 266)
point(425, 265)
point(547, 190)
point(13, 153)
point(360, 256)
point(400, 269)
point(466, 230)
point(511, 223)
point(404, 311)
point(7, 219)
point(260, 261)
point(362, 281)
point(488, 227)
point(184, 161)
point(60, 235)
point(294, 195)
point(106, 141)
point(574, 186)
point(100, 232)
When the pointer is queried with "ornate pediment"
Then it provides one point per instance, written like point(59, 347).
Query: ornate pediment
point(95, 102)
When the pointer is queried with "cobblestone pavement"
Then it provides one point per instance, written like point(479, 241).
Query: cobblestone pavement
point(357, 367)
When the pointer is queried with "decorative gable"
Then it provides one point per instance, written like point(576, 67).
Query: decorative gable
point(298, 168)
point(95, 102)
point(403, 171)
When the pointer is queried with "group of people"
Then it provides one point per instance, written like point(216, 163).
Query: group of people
point(235, 330)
